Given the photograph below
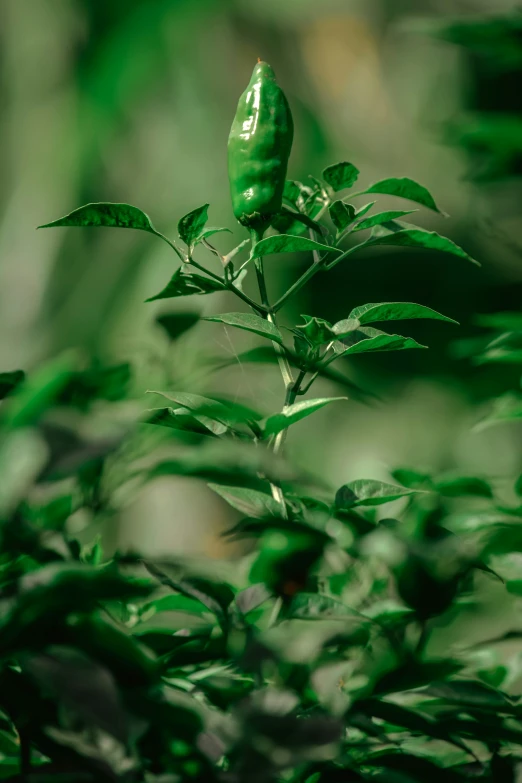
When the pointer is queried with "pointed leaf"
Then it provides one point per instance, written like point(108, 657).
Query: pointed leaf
point(248, 501)
point(369, 492)
point(395, 311)
point(359, 213)
point(381, 217)
point(419, 238)
point(404, 187)
point(181, 419)
point(106, 214)
point(187, 284)
point(375, 342)
point(316, 330)
point(341, 175)
point(208, 232)
point(506, 321)
point(191, 225)
point(341, 214)
point(295, 412)
point(250, 323)
point(457, 486)
point(203, 406)
point(287, 243)
point(291, 216)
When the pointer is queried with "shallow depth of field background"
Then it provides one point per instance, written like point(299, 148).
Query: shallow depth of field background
point(132, 100)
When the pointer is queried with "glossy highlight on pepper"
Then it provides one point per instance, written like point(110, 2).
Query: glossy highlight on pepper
point(258, 149)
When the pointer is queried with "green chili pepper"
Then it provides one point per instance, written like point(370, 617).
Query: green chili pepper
point(258, 149)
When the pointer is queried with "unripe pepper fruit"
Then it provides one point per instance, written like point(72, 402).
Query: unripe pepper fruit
point(259, 146)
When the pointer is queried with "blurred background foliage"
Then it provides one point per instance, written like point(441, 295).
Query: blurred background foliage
point(132, 101)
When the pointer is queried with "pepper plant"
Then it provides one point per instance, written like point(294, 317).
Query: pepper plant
point(306, 659)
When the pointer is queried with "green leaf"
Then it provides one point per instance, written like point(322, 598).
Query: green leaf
point(414, 479)
point(395, 311)
point(456, 486)
point(191, 225)
point(9, 382)
point(209, 232)
point(204, 406)
point(316, 330)
point(290, 216)
point(380, 341)
point(250, 323)
point(346, 327)
point(106, 214)
point(295, 412)
point(341, 214)
point(292, 190)
point(507, 321)
point(286, 243)
point(248, 501)
point(472, 693)
point(176, 324)
point(417, 237)
point(359, 213)
point(380, 218)
point(404, 187)
point(341, 175)
point(369, 492)
point(39, 391)
point(182, 420)
point(184, 283)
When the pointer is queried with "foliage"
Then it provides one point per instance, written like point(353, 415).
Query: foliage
point(305, 660)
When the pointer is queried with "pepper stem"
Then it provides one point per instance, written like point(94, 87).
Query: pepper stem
point(291, 386)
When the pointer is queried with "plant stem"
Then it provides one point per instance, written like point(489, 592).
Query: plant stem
point(284, 366)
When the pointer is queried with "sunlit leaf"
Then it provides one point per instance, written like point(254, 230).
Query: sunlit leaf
point(250, 323)
point(369, 492)
point(105, 214)
point(456, 486)
point(373, 340)
point(293, 413)
point(395, 311)
point(287, 243)
point(248, 501)
point(316, 330)
point(341, 175)
point(414, 237)
point(191, 225)
point(404, 187)
point(209, 232)
point(216, 410)
point(341, 214)
point(380, 218)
